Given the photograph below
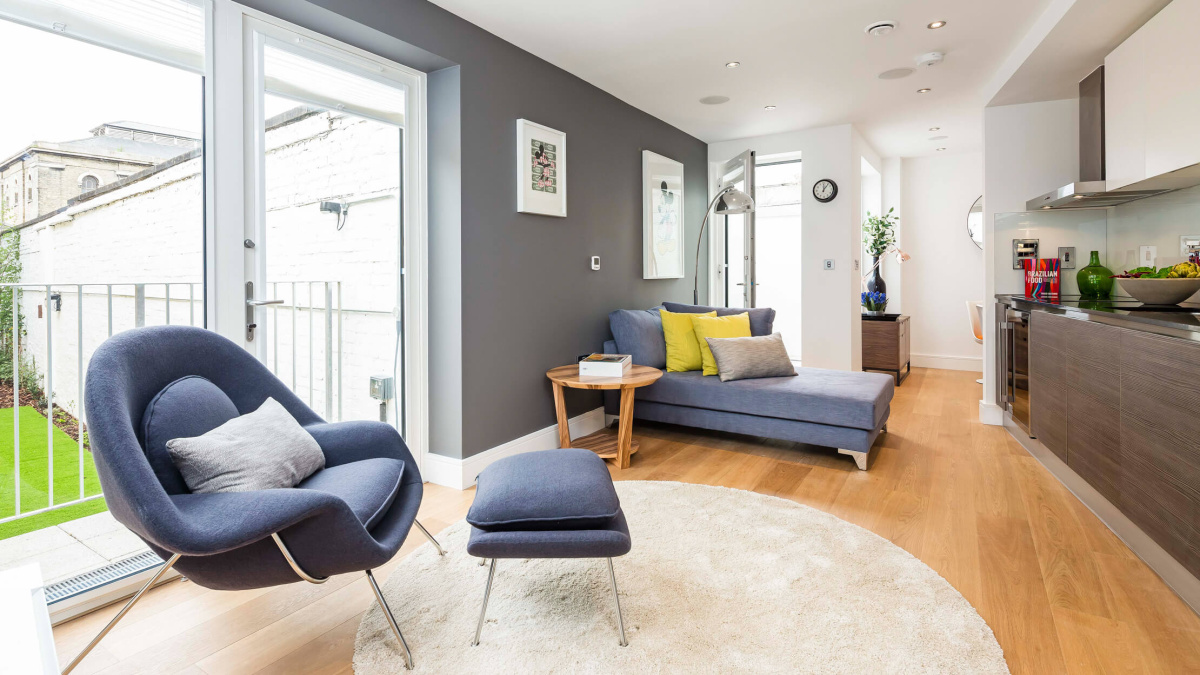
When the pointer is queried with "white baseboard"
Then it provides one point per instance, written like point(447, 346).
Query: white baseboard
point(990, 413)
point(973, 363)
point(460, 473)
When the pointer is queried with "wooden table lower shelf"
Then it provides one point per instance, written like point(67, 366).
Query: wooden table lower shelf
point(605, 443)
point(616, 446)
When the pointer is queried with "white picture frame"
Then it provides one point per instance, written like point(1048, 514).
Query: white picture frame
point(541, 170)
point(663, 217)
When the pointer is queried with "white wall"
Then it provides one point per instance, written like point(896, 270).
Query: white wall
point(1028, 149)
point(892, 184)
point(945, 270)
point(830, 299)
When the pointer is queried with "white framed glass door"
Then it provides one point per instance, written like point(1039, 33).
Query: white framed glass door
point(334, 234)
point(737, 271)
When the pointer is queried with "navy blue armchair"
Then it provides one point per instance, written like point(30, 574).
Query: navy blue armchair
point(149, 385)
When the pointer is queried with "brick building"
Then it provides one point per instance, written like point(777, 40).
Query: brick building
point(44, 176)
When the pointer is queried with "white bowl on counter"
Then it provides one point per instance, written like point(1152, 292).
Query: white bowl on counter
point(1160, 291)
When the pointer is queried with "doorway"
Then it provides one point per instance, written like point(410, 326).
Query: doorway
point(333, 154)
point(777, 257)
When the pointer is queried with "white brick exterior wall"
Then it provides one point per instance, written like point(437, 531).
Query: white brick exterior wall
point(151, 231)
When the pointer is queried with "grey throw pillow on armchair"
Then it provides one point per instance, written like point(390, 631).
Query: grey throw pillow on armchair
point(260, 450)
point(751, 357)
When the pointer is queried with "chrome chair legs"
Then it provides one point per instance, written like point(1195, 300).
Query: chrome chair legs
point(387, 614)
point(617, 599)
point(429, 536)
point(487, 592)
point(121, 614)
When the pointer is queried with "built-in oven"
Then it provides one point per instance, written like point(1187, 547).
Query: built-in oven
point(1013, 371)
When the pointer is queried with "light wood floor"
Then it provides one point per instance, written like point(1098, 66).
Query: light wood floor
point(1060, 591)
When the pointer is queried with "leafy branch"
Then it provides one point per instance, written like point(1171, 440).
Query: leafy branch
point(879, 232)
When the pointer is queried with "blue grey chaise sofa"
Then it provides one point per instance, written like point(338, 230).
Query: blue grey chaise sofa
point(833, 408)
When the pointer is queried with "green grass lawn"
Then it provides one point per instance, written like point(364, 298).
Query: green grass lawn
point(34, 475)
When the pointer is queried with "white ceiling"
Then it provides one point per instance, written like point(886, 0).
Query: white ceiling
point(811, 59)
point(1068, 49)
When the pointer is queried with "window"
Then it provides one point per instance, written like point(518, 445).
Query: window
point(88, 183)
point(30, 197)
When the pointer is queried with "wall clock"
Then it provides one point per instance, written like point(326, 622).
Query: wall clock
point(825, 190)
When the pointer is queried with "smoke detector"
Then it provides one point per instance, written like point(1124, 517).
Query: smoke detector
point(930, 59)
point(880, 28)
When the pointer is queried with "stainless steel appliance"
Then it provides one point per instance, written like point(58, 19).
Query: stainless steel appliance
point(1091, 190)
point(1013, 354)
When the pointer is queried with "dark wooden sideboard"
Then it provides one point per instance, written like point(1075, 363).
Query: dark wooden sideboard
point(885, 346)
point(1122, 408)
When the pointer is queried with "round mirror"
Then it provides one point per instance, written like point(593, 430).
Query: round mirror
point(975, 223)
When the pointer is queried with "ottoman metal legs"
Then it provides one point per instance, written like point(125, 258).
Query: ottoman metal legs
point(487, 592)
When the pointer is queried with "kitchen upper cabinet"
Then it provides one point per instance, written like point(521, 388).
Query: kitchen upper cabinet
point(1125, 113)
point(1172, 76)
point(1152, 93)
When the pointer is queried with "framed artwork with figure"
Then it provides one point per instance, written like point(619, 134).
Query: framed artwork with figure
point(541, 170)
point(662, 217)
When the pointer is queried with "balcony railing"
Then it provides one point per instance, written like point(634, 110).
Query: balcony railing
point(45, 349)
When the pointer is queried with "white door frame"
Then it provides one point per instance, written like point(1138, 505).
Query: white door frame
point(233, 121)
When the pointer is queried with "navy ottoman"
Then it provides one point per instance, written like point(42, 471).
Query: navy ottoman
point(548, 504)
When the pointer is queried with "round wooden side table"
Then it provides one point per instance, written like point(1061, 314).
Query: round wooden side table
point(607, 446)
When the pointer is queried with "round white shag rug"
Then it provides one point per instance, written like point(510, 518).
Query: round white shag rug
point(719, 580)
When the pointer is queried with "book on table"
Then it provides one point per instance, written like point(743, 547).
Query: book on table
point(605, 365)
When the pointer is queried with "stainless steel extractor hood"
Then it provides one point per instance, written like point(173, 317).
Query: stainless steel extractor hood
point(1091, 191)
point(1089, 195)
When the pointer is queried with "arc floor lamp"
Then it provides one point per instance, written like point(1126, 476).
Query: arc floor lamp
point(729, 201)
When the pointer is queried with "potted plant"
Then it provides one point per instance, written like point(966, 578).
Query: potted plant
point(879, 236)
point(874, 303)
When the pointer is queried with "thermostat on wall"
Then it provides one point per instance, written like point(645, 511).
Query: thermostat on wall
point(595, 262)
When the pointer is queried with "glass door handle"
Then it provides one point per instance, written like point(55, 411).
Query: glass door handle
point(251, 303)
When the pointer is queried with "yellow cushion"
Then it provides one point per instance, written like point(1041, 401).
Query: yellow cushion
point(683, 352)
point(732, 326)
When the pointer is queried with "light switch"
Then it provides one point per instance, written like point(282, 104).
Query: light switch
point(1147, 255)
point(1066, 257)
point(595, 262)
point(829, 263)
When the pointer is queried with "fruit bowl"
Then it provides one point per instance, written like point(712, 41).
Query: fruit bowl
point(1151, 291)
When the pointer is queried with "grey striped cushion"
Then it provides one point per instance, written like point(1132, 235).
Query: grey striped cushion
point(746, 358)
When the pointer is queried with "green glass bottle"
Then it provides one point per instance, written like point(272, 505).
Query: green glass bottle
point(1095, 280)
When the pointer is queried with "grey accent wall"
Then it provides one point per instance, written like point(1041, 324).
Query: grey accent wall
point(529, 300)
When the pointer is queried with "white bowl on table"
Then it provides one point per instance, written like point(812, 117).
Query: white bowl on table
point(1160, 291)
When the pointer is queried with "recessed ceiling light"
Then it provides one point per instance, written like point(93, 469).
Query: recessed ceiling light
point(935, 25)
point(940, 149)
point(924, 90)
point(768, 107)
point(714, 100)
point(895, 73)
point(935, 128)
point(733, 64)
point(880, 28)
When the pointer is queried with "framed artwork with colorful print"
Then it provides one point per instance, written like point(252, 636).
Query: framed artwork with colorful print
point(541, 170)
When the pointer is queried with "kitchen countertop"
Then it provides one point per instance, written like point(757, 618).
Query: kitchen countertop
point(1124, 312)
